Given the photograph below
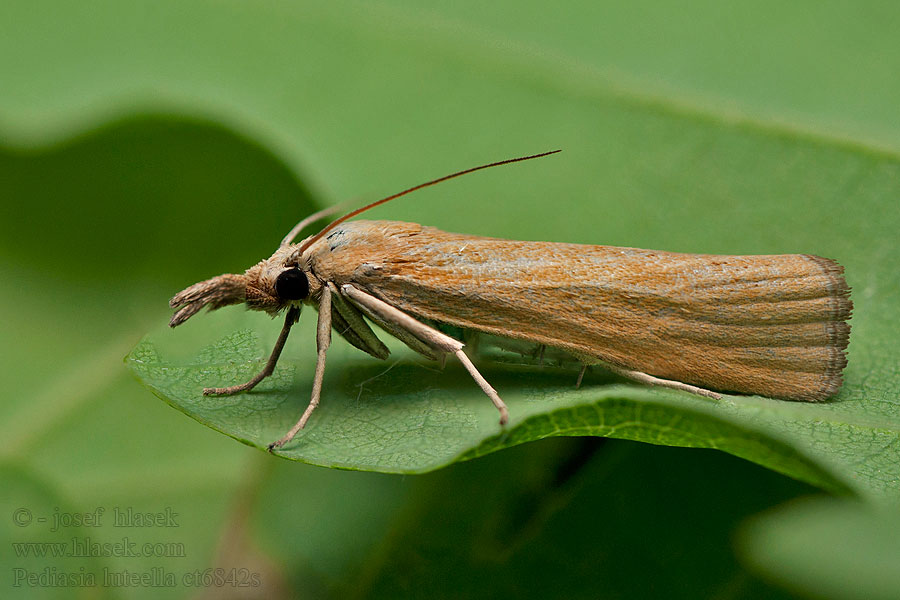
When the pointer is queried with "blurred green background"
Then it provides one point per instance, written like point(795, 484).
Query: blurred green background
point(148, 145)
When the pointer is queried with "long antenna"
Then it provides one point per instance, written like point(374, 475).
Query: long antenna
point(325, 212)
point(352, 214)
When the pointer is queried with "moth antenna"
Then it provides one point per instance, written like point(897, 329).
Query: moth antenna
point(353, 213)
point(325, 212)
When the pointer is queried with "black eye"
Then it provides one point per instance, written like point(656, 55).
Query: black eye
point(292, 285)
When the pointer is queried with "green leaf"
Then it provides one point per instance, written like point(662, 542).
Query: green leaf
point(405, 416)
point(827, 548)
point(574, 518)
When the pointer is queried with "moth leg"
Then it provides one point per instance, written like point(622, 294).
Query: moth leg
point(675, 385)
point(366, 340)
point(293, 315)
point(397, 331)
point(484, 385)
point(395, 316)
point(430, 336)
point(323, 340)
point(584, 368)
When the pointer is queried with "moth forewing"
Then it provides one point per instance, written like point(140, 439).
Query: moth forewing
point(768, 325)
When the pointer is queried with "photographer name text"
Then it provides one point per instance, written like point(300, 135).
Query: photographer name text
point(99, 517)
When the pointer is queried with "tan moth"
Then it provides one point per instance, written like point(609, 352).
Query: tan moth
point(773, 325)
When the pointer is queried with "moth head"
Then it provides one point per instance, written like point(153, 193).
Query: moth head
point(270, 285)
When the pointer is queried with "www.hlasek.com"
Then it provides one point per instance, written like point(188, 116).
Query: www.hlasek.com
point(85, 547)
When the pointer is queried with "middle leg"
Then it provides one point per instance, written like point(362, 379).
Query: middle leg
point(428, 335)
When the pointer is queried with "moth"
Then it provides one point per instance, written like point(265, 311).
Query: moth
point(769, 325)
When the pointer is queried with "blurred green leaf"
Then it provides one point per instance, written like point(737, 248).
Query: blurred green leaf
point(573, 518)
point(25, 500)
point(825, 66)
point(827, 548)
point(88, 252)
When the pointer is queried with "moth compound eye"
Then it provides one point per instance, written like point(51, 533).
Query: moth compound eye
point(292, 285)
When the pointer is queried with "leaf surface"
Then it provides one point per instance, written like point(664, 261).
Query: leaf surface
point(827, 548)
